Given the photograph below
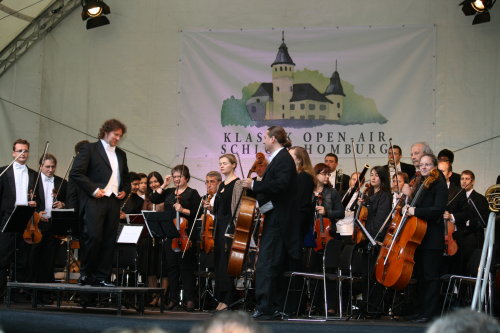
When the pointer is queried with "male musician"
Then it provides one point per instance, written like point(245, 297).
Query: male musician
point(398, 181)
point(445, 168)
point(336, 178)
point(143, 186)
point(429, 207)
point(100, 171)
point(447, 155)
point(418, 149)
point(15, 184)
point(132, 204)
point(394, 154)
point(470, 216)
point(52, 194)
point(275, 193)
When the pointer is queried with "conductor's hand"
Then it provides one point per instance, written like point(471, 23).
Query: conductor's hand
point(99, 193)
point(121, 195)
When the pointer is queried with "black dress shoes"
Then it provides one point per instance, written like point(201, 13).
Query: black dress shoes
point(85, 280)
point(170, 306)
point(103, 284)
point(257, 314)
point(421, 320)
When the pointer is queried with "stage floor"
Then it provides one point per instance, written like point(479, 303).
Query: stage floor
point(47, 318)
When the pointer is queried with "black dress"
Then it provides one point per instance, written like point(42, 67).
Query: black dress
point(176, 266)
point(224, 283)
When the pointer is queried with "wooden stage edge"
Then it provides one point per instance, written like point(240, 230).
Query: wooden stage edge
point(60, 288)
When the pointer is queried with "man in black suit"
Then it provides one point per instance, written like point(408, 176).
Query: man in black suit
point(418, 149)
point(338, 179)
point(51, 194)
point(101, 173)
point(394, 156)
point(14, 190)
point(275, 194)
point(429, 207)
point(470, 223)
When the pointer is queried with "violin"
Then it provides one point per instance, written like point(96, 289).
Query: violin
point(322, 226)
point(32, 234)
point(394, 265)
point(207, 229)
point(362, 216)
point(450, 244)
point(181, 243)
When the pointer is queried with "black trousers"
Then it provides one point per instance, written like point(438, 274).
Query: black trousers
point(43, 255)
point(180, 268)
point(427, 270)
point(270, 267)
point(224, 283)
point(100, 225)
point(9, 241)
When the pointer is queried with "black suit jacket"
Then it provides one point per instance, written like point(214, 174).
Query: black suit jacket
point(61, 195)
point(466, 212)
point(455, 179)
point(8, 192)
point(409, 169)
point(91, 170)
point(430, 207)
point(278, 185)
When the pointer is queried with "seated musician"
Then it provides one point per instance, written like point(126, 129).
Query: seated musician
point(345, 226)
point(143, 186)
point(132, 203)
point(52, 194)
point(183, 200)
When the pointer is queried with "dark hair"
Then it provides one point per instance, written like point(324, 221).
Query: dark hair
point(142, 175)
point(20, 142)
point(334, 156)
point(158, 177)
point(79, 145)
point(279, 133)
point(133, 176)
point(110, 126)
point(446, 153)
point(184, 171)
point(318, 168)
point(470, 173)
point(382, 173)
point(48, 157)
point(398, 148)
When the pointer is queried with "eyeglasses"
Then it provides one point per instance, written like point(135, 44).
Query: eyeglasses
point(21, 151)
point(211, 182)
point(426, 165)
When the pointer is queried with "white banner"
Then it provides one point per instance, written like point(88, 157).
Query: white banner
point(325, 86)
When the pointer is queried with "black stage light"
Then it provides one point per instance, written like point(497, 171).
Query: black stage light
point(94, 12)
point(479, 8)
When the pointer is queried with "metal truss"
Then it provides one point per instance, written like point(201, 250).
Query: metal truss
point(36, 30)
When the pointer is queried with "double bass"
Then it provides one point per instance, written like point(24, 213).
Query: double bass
point(244, 226)
point(394, 265)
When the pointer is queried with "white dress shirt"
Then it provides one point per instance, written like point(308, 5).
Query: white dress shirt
point(114, 180)
point(48, 189)
point(21, 179)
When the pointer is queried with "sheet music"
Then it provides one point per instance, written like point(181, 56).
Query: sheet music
point(130, 234)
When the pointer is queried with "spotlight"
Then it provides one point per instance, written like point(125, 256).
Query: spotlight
point(94, 12)
point(479, 8)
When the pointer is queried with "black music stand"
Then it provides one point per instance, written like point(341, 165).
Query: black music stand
point(16, 223)
point(157, 225)
point(62, 219)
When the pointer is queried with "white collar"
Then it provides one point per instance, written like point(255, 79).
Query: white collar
point(273, 155)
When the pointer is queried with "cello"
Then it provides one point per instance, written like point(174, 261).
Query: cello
point(322, 226)
point(394, 265)
point(244, 226)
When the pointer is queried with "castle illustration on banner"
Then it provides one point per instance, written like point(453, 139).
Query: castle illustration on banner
point(295, 99)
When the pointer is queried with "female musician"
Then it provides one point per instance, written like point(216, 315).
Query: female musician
point(304, 214)
point(329, 207)
point(430, 208)
point(151, 252)
point(379, 201)
point(185, 201)
point(224, 283)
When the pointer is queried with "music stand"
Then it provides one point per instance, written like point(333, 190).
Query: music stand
point(62, 219)
point(18, 219)
point(157, 225)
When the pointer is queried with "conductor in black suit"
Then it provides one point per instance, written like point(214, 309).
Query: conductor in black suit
point(394, 156)
point(101, 173)
point(275, 195)
point(14, 189)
